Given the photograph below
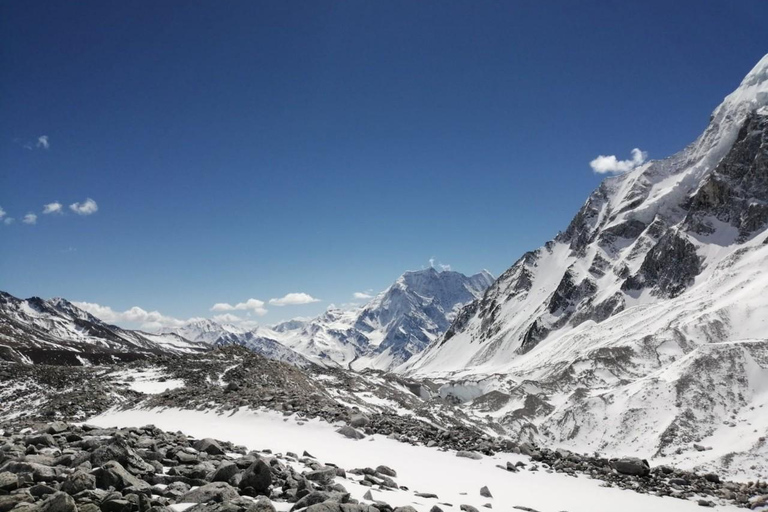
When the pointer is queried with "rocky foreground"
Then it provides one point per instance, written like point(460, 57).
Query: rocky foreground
point(59, 467)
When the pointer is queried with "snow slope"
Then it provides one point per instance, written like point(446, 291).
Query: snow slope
point(455, 480)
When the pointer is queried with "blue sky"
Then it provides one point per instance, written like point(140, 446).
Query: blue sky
point(251, 149)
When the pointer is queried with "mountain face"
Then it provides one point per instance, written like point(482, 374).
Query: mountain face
point(214, 334)
point(391, 328)
point(646, 321)
point(56, 331)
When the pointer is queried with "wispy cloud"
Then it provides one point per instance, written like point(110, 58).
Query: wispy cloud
point(42, 142)
point(2, 212)
point(8, 221)
point(148, 320)
point(87, 207)
point(54, 207)
point(255, 306)
point(293, 299)
point(29, 218)
point(362, 295)
point(442, 266)
point(610, 164)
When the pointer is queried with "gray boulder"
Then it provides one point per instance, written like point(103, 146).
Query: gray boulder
point(350, 432)
point(469, 455)
point(78, 481)
point(209, 446)
point(632, 466)
point(258, 476)
point(215, 491)
point(58, 502)
point(113, 474)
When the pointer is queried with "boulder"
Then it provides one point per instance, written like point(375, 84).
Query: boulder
point(386, 470)
point(350, 432)
point(78, 481)
point(215, 491)
point(58, 502)
point(469, 455)
point(209, 446)
point(8, 481)
point(113, 474)
point(258, 476)
point(485, 492)
point(632, 466)
point(224, 472)
point(323, 476)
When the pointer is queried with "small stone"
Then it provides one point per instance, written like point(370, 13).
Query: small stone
point(485, 492)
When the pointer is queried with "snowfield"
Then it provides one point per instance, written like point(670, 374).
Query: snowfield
point(453, 479)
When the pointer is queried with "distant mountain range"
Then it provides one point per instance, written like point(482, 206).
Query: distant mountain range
point(386, 332)
point(56, 331)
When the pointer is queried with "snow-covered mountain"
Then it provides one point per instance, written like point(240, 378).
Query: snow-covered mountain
point(215, 334)
point(645, 323)
point(57, 331)
point(398, 323)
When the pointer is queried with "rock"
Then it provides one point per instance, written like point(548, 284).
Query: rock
point(215, 491)
point(712, 477)
point(209, 446)
point(9, 502)
point(316, 497)
point(435, 508)
point(78, 481)
point(368, 496)
point(8, 481)
point(469, 455)
point(258, 476)
point(116, 505)
point(42, 439)
point(468, 508)
point(224, 472)
point(705, 503)
point(323, 476)
point(485, 492)
point(58, 502)
point(40, 490)
point(350, 432)
point(57, 427)
point(40, 472)
point(262, 504)
point(426, 495)
point(405, 508)
point(386, 470)
point(632, 466)
point(358, 420)
point(113, 474)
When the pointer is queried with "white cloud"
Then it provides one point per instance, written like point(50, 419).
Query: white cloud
point(42, 142)
point(227, 318)
point(293, 299)
point(253, 305)
point(2, 212)
point(8, 221)
point(362, 295)
point(29, 218)
point(610, 164)
point(87, 207)
point(54, 207)
point(148, 320)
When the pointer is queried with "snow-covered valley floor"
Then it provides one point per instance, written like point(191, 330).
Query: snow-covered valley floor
point(453, 479)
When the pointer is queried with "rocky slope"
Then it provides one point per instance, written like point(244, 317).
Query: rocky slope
point(56, 331)
point(642, 325)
